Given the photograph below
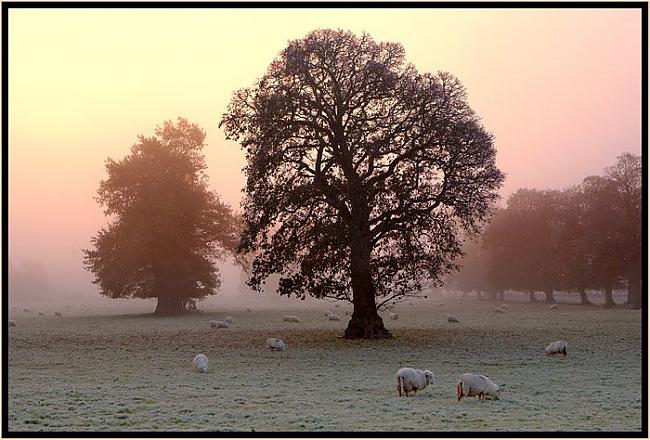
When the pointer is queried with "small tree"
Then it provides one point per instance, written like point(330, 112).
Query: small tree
point(360, 170)
point(625, 175)
point(168, 228)
point(523, 242)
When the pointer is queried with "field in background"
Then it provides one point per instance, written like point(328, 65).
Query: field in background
point(105, 369)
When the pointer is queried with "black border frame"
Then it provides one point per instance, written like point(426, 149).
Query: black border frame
point(7, 6)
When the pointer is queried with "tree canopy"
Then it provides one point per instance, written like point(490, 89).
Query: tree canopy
point(360, 172)
point(167, 228)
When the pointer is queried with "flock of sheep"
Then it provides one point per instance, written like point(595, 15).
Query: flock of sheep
point(407, 379)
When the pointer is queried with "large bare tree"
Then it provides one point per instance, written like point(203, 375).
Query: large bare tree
point(361, 173)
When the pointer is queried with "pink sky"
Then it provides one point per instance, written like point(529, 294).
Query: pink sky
point(559, 89)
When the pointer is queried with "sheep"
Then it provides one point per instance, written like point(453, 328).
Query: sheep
point(394, 316)
point(248, 309)
point(41, 314)
point(57, 314)
point(557, 347)
point(229, 320)
point(327, 313)
point(499, 309)
point(504, 306)
point(552, 307)
point(12, 323)
point(219, 324)
point(200, 363)
point(333, 317)
point(452, 318)
point(469, 385)
point(409, 379)
point(26, 310)
point(441, 304)
point(290, 318)
point(276, 344)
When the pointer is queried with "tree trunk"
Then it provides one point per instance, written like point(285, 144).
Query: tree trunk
point(549, 296)
point(609, 299)
point(532, 296)
point(634, 293)
point(584, 299)
point(169, 305)
point(366, 322)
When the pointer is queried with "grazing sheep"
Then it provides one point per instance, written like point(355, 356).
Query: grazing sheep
point(229, 320)
point(12, 323)
point(552, 307)
point(452, 318)
point(57, 314)
point(26, 310)
point(498, 309)
point(504, 306)
point(248, 310)
point(219, 324)
point(460, 302)
point(469, 385)
point(275, 344)
point(41, 314)
point(333, 317)
point(441, 304)
point(409, 379)
point(557, 347)
point(290, 318)
point(200, 363)
point(394, 316)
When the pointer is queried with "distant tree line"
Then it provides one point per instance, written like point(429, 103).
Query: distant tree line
point(583, 237)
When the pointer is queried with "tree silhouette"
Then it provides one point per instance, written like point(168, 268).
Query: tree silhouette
point(523, 243)
point(168, 228)
point(360, 171)
point(625, 175)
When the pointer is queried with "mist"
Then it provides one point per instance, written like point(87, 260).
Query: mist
point(561, 96)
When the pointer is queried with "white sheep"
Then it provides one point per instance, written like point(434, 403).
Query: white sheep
point(469, 385)
point(275, 344)
point(41, 314)
point(557, 347)
point(394, 316)
point(290, 318)
point(200, 363)
point(57, 314)
point(441, 304)
point(229, 320)
point(452, 318)
point(552, 307)
point(12, 323)
point(504, 306)
point(248, 309)
point(219, 324)
point(26, 310)
point(333, 317)
point(409, 379)
point(499, 309)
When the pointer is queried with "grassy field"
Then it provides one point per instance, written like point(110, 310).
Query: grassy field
point(92, 371)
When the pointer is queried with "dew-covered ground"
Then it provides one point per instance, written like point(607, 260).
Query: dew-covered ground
point(106, 371)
